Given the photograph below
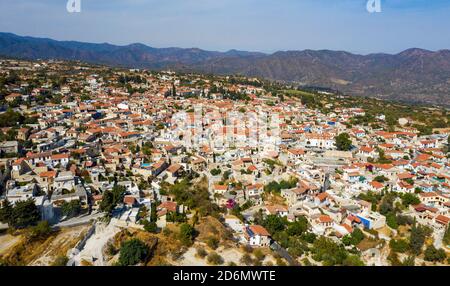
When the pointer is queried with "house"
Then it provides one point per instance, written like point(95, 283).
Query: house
point(220, 189)
point(60, 159)
point(173, 172)
point(254, 192)
point(166, 207)
point(277, 210)
point(9, 147)
point(22, 193)
point(78, 192)
point(293, 196)
point(372, 220)
point(256, 235)
point(65, 180)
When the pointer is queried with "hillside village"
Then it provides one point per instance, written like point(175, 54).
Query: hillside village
point(160, 160)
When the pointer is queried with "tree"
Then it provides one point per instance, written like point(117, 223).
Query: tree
point(328, 252)
point(215, 172)
point(353, 260)
point(6, 211)
point(357, 236)
point(298, 227)
point(150, 226)
point(410, 199)
point(71, 209)
point(153, 213)
point(343, 142)
point(24, 214)
point(132, 252)
point(380, 179)
point(417, 238)
point(112, 198)
point(433, 254)
point(354, 238)
point(446, 238)
point(274, 223)
point(187, 234)
point(399, 245)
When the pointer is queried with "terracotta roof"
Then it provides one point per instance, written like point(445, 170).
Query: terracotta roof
point(259, 230)
point(325, 219)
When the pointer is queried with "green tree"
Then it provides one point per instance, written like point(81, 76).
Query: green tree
point(274, 224)
point(150, 226)
point(417, 238)
point(343, 142)
point(133, 252)
point(24, 214)
point(399, 245)
point(353, 260)
point(187, 234)
point(327, 251)
point(446, 238)
point(433, 254)
point(71, 209)
point(6, 211)
point(410, 199)
point(112, 198)
point(298, 227)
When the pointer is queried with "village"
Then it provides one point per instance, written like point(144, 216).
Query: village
point(286, 179)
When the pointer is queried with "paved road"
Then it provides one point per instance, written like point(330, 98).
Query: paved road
point(85, 219)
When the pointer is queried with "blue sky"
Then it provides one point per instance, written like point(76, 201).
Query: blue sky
point(256, 25)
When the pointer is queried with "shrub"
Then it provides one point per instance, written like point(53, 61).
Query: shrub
point(400, 245)
point(150, 226)
point(246, 259)
point(259, 255)
point(132, 252)
point(201, 252)
point(187, 234)
point(214, 259)
point(60, 261)
point(433, 254)
point(213, 242)
point(40, 231)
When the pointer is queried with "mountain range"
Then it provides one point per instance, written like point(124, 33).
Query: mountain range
point(414, 75)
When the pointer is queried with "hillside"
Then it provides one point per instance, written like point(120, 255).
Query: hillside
point(415, 75)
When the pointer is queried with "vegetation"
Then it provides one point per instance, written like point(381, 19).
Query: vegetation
point(112, 198)
point(417, 238)
point(343, 142)
point(187, 234)
point(71, 209)
point(133, 252)
point(21, 215)
point(274, 187)
point(433, 254)
point(330, 253)
point(214, 259)
point(354, 238)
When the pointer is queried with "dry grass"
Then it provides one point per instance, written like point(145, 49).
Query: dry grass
point(44, 251)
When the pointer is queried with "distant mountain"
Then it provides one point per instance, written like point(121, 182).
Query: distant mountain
point(414, 75)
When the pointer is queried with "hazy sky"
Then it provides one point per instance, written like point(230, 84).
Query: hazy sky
point(257, 25)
